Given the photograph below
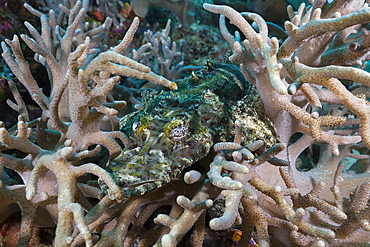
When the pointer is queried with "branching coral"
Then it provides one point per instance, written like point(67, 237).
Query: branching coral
point(253, 185)
point(311, 57)
point(165, 52)
point(262, 53)
point(81, 83)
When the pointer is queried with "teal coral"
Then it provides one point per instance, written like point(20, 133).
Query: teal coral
point(175, 129)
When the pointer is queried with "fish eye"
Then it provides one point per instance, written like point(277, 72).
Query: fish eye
point(179, 133)
point(135, 126)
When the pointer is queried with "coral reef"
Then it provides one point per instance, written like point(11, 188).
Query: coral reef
point(213, 156)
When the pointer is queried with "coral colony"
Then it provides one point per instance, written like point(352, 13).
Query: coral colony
point(210, 160)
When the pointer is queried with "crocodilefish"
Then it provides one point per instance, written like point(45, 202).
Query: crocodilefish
point(175, 129)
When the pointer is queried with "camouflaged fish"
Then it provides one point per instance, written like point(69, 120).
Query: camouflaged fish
point(175, 129)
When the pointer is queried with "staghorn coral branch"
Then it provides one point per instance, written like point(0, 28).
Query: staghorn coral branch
point(354, 104)
point(20, 107)
point(236, 18)
point(16, 193)
point(56, 162)
point(38, 46)
point(20, 141)
point(19, 66)
point(139, 223)
point(314, 123)
point(193, 209)
point(297, 36)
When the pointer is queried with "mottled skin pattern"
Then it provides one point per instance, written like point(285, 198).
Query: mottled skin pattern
point(174, 129)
